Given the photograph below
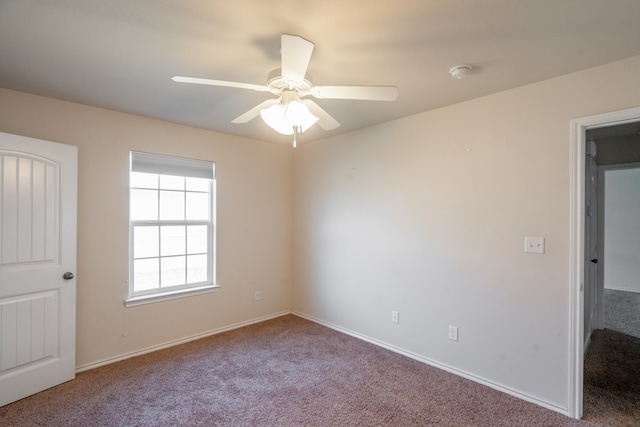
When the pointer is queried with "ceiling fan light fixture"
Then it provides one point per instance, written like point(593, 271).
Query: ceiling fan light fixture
point(287, 114)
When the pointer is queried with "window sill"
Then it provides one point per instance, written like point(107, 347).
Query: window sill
point(159, 297)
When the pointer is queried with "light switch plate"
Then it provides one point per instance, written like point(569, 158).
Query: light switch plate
point(534, 245)
point(453, 333)
point(395, 317)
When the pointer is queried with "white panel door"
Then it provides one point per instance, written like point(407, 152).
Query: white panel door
point(38, 192)
point(590, 250)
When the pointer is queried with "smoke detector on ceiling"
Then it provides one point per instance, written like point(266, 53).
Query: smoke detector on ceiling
point(460, 71)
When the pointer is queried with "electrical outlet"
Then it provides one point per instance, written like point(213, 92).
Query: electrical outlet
point(453, 333)
point(257, 296)
point(395, 317)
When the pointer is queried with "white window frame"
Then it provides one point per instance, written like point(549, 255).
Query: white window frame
point(174, 166)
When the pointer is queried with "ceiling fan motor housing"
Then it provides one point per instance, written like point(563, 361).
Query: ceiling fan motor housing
point(277, 84)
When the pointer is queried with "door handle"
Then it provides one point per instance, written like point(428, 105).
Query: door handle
point(67, 276)
point(595, 260)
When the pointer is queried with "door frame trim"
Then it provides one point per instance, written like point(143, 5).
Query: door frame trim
point(578, 129)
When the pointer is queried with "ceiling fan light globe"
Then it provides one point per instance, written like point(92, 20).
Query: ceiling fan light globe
point(284, 129)
point(273, 116)
point(284, 117)
point(297, 114)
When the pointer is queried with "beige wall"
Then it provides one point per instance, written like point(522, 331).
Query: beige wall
point(253, 218)
point(427, 215)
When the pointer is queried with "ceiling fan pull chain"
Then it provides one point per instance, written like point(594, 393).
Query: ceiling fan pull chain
point(295, 134)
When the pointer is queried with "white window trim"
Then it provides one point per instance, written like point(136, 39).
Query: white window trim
point(159, 164)
point(169, 295)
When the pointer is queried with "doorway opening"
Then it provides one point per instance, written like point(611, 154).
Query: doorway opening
point(586, 303)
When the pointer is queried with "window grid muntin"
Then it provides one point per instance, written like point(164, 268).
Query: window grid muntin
point(186, 223)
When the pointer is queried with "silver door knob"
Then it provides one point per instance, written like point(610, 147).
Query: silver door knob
point(67, 276)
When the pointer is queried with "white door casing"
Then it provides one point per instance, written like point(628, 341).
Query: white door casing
point(578, 128)
point(38, 201)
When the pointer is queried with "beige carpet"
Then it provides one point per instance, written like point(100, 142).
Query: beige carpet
point(622, 311)
point(612, 379)
point(283, 372)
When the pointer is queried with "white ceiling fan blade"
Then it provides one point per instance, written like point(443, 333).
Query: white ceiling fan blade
point(296, 54)
point(365, 93)
point(325, 121)
point(210, 82)
point(255, 111)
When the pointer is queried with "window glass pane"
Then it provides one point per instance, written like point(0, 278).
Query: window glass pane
point(171, 205)
point(144, 205)
point(169, 182)
point(197, 239)
point(172, 240)
point(173, 271)
point(197, 184)
point(196, 268)
point(144, 180)
point(145, 242)
point(198, 206)
point(146, 274)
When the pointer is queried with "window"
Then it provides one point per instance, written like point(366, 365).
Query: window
point(171, 226)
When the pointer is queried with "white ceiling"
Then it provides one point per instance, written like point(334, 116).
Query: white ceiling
point(120, 54)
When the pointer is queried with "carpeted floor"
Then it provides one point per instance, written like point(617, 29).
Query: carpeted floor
point(283, 372)
point(612, 366)
point(622, 311)
point(612, 379)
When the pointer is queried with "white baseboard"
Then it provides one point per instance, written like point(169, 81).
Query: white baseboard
point(586, 345)
point(439, 365)
point(179, 341)
point(614, 288)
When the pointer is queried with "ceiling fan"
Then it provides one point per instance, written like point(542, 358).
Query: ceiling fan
point(288, 113)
